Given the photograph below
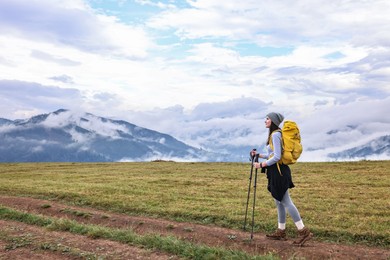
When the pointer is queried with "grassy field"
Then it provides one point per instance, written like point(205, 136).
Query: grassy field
point(345, 202)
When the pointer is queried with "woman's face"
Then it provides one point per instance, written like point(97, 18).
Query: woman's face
point(267, 122)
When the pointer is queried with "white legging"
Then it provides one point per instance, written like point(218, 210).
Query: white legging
point(287, 203)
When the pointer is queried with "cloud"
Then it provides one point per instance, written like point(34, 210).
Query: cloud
point(25, 99)
point(105, 97)
point(63, 78)
point(48, 57)
point(28, 90)
point(242, 106)
point(279, 22)
point(6, 62)
point(158, 4)
point(85, 48)
point(71, 24)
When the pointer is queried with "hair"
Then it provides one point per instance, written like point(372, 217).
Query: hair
point(272, 128)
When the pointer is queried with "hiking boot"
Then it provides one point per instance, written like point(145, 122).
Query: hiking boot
point(303, 235)
point(279, 234)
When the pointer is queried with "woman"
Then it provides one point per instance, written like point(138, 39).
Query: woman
point(279, 181)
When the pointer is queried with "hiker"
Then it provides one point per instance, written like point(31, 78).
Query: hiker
point(279, 181)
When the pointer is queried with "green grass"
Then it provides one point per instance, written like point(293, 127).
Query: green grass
point(168, 244)
point(28, 241)
point(344, 202)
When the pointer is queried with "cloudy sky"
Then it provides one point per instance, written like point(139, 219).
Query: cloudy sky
point(154, 62)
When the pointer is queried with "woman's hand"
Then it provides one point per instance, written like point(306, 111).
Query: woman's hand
point(253, 153)
point(260, 165)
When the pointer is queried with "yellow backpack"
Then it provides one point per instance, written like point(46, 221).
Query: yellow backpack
point(291, 143)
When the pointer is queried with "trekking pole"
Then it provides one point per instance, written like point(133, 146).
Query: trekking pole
point(254, 197)
point(249, 189)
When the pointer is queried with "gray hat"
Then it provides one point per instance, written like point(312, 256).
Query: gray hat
point(276, 118)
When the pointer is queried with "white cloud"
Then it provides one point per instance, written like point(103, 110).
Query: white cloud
point(72, 23)
point(97, 59)
point(280, 22)
point(6, 128)
point(25, 99)
point(158, 4)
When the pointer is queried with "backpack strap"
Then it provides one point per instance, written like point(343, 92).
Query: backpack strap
point(272, 147)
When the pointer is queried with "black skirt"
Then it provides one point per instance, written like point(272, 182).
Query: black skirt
point(279, 182)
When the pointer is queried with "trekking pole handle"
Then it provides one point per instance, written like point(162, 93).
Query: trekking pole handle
point(253, 154)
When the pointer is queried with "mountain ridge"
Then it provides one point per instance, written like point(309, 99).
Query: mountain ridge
point(65, 136)
point(378, 147)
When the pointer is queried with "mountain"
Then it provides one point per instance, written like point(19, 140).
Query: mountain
point(378, 147)
point(71, 136)
point(65, 136)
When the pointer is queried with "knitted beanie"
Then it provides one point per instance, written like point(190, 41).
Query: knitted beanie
point(276, 118)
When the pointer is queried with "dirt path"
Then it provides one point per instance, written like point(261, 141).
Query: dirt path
point(26, 241)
